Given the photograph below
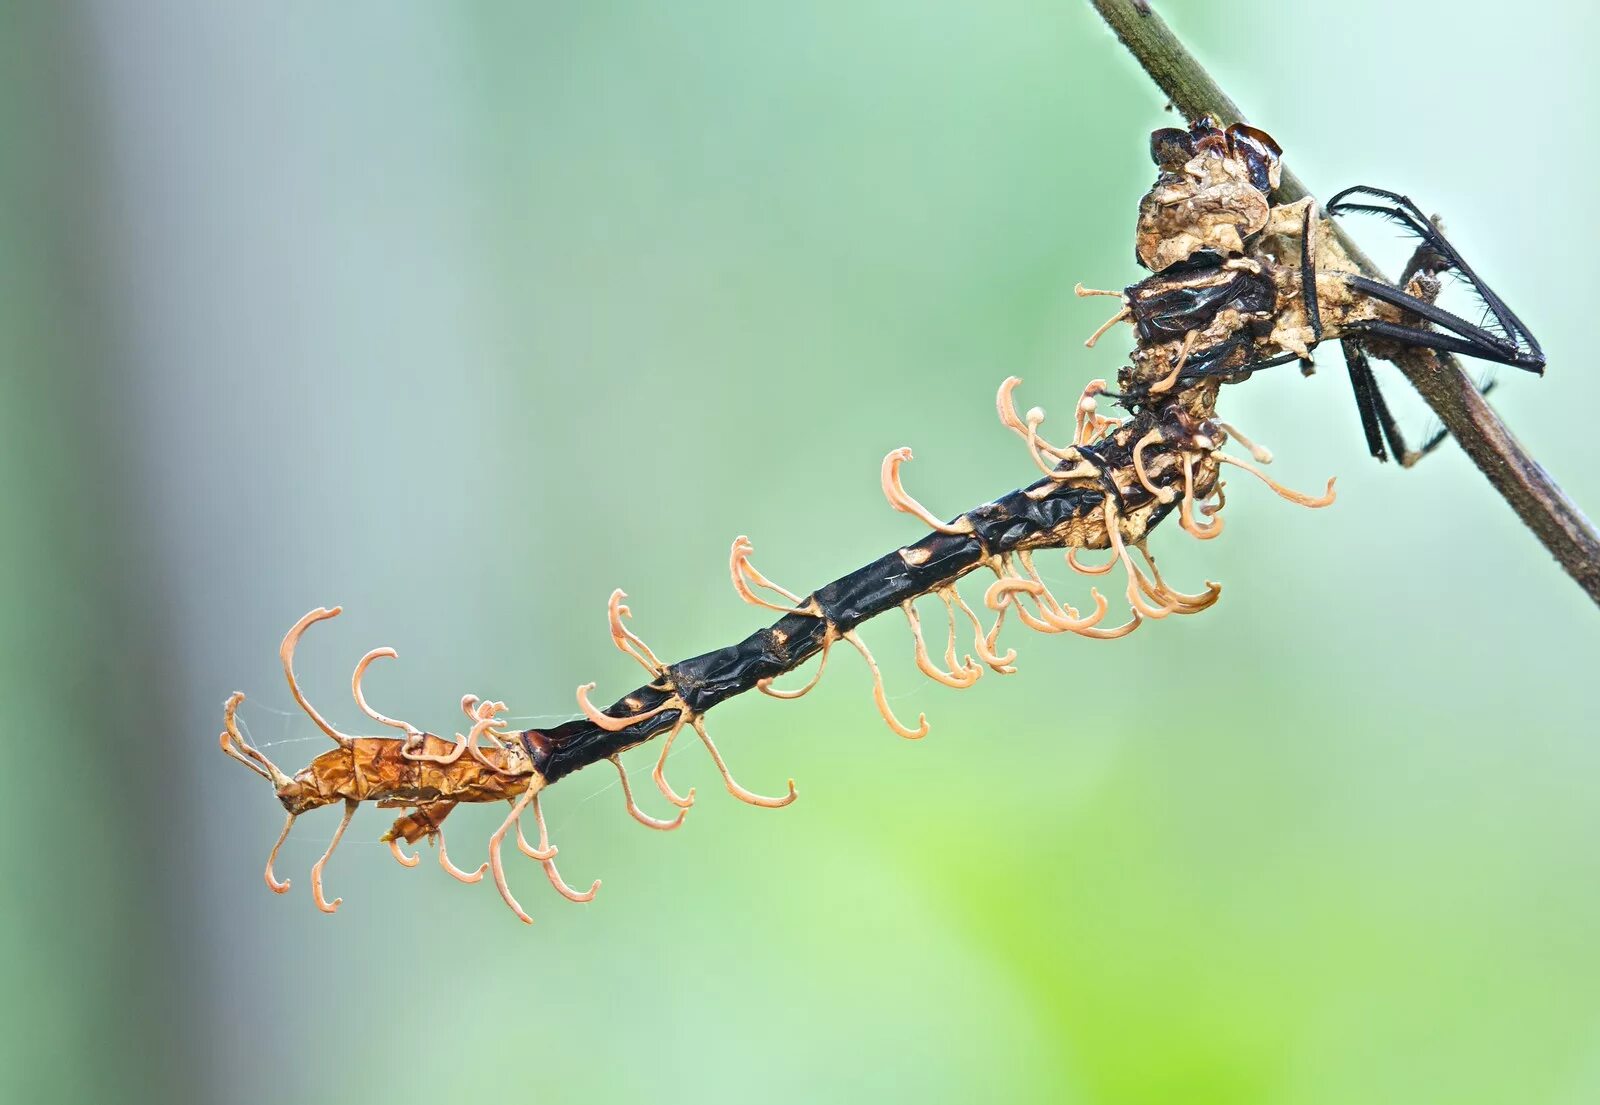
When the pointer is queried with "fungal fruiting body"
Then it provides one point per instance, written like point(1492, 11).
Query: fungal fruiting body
point(1235, 287)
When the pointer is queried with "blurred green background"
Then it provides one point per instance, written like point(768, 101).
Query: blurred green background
point(463, 316)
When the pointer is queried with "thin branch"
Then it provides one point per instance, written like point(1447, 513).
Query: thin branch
point(1543, 507)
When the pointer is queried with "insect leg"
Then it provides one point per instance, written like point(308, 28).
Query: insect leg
point(1402, 210)
point(1474, 341)
point(1308, 275)
point(1424, 339)
point(1376, 420)
point(1438, 437)
point(1216, 365)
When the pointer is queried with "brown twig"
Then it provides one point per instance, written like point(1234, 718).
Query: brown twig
point(1543, 507)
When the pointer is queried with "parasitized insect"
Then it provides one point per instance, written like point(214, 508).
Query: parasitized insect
point(1217, 247)
point(1238, 284)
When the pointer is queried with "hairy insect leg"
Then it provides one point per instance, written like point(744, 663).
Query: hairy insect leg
point(1376, 421)
point(1216, 365)
point(1441, 435)
point(350, 806)
point(1376, 416)
point(1308, 272)
point(1401, 209)
point(1463, 336)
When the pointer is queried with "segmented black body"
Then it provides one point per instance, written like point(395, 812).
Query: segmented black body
point(1035, 516)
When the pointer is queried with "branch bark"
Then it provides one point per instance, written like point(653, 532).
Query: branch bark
point(1541, 505)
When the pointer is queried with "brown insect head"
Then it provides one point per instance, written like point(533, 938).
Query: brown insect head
point(1211, 195)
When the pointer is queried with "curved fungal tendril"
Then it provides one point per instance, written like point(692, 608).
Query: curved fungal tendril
point(411, 731)
point(1163, 495)
point(399, 854)
point(1180, 601)
point(1136, 581)
point(659, 774)
point(749, 797)
point(657, 823)
point(1165, 383)
point(452, 870)
point(881, 699)
point(617, 724)
point(549, 865)
point(1186, 518)
point(286, 654)
point(273, 883)
point(983, 643)
point(1088, 569)
point(959, 678)
point(765, 685)
point(744, 574)
point(350, 807)
point(1297, 497)
point(903, 501)
point(497, 865)
point(626, 639)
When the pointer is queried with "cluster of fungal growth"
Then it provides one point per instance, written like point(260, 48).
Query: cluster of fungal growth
point(1149, 464)
point(1200, 320)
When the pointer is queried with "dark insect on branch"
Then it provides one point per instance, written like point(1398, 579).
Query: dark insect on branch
point(1458, 402)
point(1238, 284)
